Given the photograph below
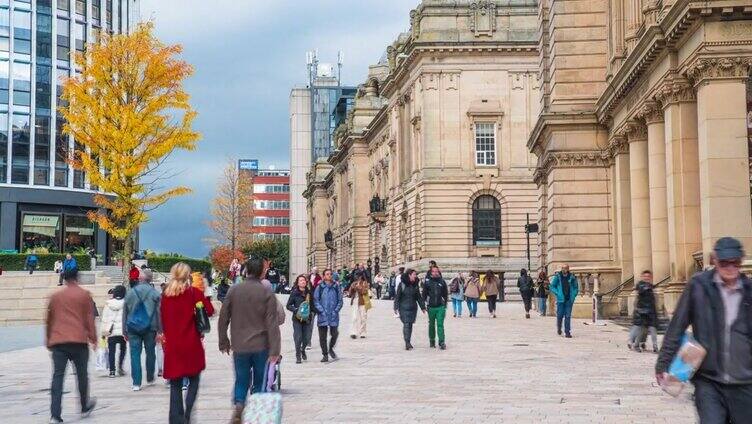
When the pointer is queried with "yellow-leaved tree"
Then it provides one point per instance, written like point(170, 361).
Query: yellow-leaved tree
point(232, 209)
point(128, 111)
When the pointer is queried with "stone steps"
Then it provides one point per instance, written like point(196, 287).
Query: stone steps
point(25, 297)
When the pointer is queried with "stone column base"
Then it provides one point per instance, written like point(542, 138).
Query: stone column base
point(671, 297)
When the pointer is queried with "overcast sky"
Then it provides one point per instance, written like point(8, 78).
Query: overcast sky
point(247, 55)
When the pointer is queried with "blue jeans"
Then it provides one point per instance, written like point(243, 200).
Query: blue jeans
point(472, 306)
point(542, 306)
point(135, 343)
point(457, 304)
point(244, 364)
point(564, 310)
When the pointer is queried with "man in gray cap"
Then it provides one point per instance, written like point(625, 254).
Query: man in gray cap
point(717, 303)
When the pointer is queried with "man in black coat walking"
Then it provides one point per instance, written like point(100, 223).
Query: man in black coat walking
point(718, 305)
point(645, 315)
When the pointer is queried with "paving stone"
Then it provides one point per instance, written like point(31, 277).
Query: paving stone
point(508, 369)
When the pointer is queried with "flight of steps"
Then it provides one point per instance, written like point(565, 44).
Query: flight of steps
point(25, 296)
point(114, 272)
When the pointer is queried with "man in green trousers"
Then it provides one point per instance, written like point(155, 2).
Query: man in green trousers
point(436, 296)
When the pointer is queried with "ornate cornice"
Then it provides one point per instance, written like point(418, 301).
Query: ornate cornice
point(710, 68)
point(675, 90)
point(577, 159)
point(651, 111)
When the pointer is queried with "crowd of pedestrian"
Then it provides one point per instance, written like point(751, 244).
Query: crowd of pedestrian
point(142, 319)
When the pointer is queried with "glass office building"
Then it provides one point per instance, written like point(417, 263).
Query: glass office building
point(43, 201)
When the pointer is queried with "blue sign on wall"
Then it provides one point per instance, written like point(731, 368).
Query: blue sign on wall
point(248, 164)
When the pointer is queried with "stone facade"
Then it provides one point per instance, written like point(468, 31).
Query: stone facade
point(642, 146)
point(407, 170)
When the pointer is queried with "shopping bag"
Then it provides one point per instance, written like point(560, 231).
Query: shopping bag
point(684, 365)
point(102, 356)
point(265, 407)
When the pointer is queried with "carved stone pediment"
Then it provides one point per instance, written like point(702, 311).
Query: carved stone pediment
point(482, 18)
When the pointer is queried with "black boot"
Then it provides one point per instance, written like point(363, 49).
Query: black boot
point(303, 355)
point(298, 360)
point(325, 358)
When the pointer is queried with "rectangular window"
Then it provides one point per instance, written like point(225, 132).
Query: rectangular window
point(44, 6)
point(40, 231)
point(44, 90)
point(21, 84)
point(96, 11)
point(271, 221)
point(485, 143)
point(80, 36)
point(79, 177)
point(22, 34)
point(4, 31)
point(108, 15)
point(42, 150)
point(61, 154)
point(44, 39)
point(63, 5)
point(79, 233)
point(21, 142)
point(3, 147)
point(62, 76)
point(4, 81)
point(81, 9)
point(63, 42)
point(271, 204)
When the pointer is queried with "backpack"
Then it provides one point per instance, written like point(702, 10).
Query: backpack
point(32, 260)
point(455, 286)
point(139, 321)
point(304, 310)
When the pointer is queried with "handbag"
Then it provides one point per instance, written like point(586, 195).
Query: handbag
point(203, 325)
point(265, 407)
point(304, 310)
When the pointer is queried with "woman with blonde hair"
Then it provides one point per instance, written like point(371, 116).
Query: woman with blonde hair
point(184, 355)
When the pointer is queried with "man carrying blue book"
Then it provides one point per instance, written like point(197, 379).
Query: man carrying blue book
point(717, 303)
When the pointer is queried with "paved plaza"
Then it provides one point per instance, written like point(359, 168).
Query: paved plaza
point(507, 369)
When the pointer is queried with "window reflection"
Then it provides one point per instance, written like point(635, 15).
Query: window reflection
point(3, 147)
point(40, 231)
point(22, 32)
point(21, 143)
point(61, 154)
point(63, 42)
point(21, 84)
point(42, 150)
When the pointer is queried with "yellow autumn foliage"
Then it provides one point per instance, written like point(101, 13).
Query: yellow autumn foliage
point(128, 111)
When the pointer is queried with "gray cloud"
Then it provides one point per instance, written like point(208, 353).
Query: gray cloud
point(247, 55)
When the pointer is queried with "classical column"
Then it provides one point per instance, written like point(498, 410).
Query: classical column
point(725, 207)
point(639, 189)
point(653, 115)
point(623, 203)
point(682, 183)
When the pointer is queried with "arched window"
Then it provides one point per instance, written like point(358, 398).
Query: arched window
point(486, 220)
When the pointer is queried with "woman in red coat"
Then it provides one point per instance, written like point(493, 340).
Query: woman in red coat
point(182, 344)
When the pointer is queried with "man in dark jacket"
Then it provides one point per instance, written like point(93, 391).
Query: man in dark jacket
point(525, 284)
point(251, 314)
point(436, 296)
point(717, 303)
point(645, 315)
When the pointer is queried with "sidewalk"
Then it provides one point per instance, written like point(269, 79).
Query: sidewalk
point(507, 369)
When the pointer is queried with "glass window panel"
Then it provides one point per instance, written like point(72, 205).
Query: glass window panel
point(21, 139)
point(108, 14)
point(44, 6)
point(81, 9)
point(96, 12)
point(62, 75)
point(63, 5)
point(79, 176)
point(5, 22)
point(40, 231)
point(486, 219)
point(44, 37)
point(485, 143)
point(42, 150)
point(79, 232)
point(3, 147)
point(61, 154)
point(44, 88)
point(63, 41)
point(21, 76)
point(80, 36)
point(22, 24)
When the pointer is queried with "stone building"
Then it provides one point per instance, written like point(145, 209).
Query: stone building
point(432, 162)
point(642, 140)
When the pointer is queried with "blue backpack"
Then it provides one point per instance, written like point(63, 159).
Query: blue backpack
point(139, 321)
point(304, 310)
